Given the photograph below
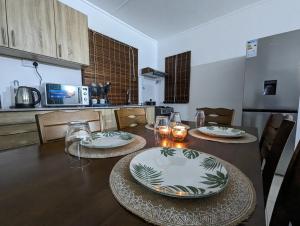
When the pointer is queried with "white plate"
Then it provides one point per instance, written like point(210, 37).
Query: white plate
point(109, 139)
point(177, 172)
point(220, 131)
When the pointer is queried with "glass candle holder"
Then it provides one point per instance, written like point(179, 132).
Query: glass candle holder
point(161, 126)
point(164, 131)
point(179, 133)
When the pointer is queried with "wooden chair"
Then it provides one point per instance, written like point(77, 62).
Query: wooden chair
point(53, 125)
point(130, 117)
point(287, 204)
point(218, 116)
point(272, 143)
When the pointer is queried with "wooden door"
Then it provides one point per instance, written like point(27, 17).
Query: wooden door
point(3, 24)
point(31, 26)
point(71, 34)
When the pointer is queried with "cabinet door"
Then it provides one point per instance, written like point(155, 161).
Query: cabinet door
point(3, 25)
point(71, 34)
point(31, 26)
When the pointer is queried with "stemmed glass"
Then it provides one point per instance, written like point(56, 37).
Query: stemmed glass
point(175, 119)
point(199, 118)
point(77, 133)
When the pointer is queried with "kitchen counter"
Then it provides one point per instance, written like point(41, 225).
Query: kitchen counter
point(18, 126)
point(71, 108)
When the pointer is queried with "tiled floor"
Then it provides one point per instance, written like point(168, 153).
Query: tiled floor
point(277, 180)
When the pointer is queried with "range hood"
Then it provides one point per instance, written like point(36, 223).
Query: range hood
point(152, 73)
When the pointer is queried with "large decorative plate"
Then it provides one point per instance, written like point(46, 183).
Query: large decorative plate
point(178, 172)
point(220, 131)
point(110, 139)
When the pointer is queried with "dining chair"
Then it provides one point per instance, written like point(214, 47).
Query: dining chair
point(218, 116)
point(286, 209)
point(130, 117)
point(272, 143)
point(53, 125)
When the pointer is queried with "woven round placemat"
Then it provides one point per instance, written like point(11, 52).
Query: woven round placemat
point(230, 207)
point(137, 144)
point(147, 126)
point(247, 138)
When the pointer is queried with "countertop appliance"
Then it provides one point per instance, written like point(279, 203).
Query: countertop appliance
point(55, 95)
point(99, 94)
point(272, 83)
point(150, 102)
point(163, 110)
point(25, 97)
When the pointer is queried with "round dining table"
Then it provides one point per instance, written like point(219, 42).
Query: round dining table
point(39, 188)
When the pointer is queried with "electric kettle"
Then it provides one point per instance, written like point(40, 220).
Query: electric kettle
point(25, 97)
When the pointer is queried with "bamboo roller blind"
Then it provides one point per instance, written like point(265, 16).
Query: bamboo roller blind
point(115, 62)
point(177, 80)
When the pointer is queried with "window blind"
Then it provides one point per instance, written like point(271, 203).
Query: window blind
point(115, 62)
point(177, 80)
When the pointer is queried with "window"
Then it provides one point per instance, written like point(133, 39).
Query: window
point(115, 62)
point(177, 80)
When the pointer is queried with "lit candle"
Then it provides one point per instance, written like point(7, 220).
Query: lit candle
point(179, 133)
point(164, 131)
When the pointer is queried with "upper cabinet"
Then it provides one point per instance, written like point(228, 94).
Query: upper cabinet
point(44, 30)
point(3, 25)
point(71, 34)
point(31, 26)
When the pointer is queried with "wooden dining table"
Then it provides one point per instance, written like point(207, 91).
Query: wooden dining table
point(39, 188)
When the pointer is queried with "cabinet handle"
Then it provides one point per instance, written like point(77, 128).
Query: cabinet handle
point(13, 38)
point(3, 36)
point(59, 50)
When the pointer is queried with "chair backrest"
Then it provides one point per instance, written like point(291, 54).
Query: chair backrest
point(269, 133)
point(53, 125)
point(130, 117)
point(274, 139)
point(218, 116)
point(287, 204)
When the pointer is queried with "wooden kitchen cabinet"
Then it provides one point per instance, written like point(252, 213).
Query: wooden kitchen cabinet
point(71, 34)
point(3, 25)
point(31, 26)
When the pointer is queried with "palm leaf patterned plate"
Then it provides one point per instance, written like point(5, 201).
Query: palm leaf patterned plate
point(221, 131)
point(178, 172)
point(109, 139)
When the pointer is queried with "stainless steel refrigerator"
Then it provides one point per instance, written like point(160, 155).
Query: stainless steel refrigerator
point(272, 83)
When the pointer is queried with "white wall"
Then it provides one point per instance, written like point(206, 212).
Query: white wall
point(99, 20)
point(225, 38)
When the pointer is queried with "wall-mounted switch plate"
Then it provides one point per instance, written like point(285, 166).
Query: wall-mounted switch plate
point(27, 63)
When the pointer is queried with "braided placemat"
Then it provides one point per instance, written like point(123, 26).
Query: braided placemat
point(137, 144)
point(230, 207)
point(247, 138)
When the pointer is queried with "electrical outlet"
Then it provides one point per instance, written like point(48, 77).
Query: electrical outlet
point(27, 63)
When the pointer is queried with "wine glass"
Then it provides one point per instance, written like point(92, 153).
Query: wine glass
point(175, 119)
point(199, 118)
point(78, 132)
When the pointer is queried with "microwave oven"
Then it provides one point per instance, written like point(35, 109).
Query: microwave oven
point(64, 95)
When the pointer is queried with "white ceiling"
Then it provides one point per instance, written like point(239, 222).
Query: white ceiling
point(162, 18)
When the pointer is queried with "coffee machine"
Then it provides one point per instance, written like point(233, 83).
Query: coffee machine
point(99, 94)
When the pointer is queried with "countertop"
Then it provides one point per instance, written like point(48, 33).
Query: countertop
point(70, 108)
